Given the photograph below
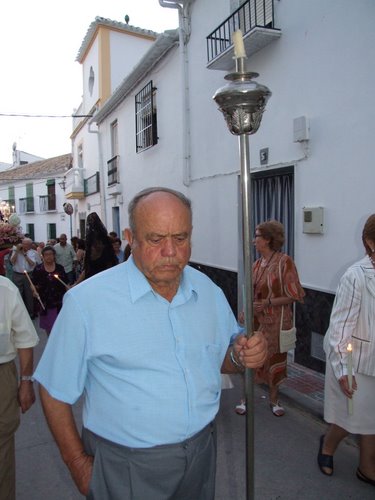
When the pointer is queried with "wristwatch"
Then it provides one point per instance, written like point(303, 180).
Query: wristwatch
point(28, 378)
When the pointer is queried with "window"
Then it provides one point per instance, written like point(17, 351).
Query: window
point(11, 199)
point(51, 231)
point(80, 156)
point(29, 198)
point(114, 139)
point(145, 118)
point(30, 231)
point(91, 80)
point(112, 164)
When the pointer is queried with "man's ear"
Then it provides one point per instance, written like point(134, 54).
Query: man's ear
point(128, 236)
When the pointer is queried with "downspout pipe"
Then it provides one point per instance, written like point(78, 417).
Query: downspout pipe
point(184, 33)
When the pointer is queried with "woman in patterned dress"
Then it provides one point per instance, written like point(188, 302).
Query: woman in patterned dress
point(272, 297)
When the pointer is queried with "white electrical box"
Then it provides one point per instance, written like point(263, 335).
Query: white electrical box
point(301, 129)
point(313, 220)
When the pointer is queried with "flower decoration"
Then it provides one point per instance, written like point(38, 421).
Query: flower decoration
point(9, 234)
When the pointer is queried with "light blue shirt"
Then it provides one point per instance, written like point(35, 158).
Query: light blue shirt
point(149, 369)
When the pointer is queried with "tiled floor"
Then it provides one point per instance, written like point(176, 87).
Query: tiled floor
point(305, 381)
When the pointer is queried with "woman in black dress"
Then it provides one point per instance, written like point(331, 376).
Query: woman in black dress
point(51, 290)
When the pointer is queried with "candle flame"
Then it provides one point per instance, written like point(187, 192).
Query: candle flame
point(56, 276)
point(349, 348)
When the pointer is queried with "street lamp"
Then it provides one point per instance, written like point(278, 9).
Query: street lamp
point(242, 102)
point(62, 184)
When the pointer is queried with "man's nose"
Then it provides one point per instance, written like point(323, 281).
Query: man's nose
point(169, 247)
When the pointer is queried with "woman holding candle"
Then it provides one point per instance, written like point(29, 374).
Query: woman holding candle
point(50, 289)
point(350, 354)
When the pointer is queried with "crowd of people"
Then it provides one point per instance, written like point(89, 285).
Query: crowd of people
point(43, 272)
point(180, 334)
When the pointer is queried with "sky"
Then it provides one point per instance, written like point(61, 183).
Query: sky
point(39, 42)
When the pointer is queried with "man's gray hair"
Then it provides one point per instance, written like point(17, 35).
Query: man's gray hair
point(145, 192)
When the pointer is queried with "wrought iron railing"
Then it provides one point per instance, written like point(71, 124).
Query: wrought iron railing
point(26, 205)
point(47, 202)
point(251, 14)
point(92, 184)
point(112, 171)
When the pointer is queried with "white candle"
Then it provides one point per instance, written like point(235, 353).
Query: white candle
point(34, 290)
point(350, 377)
point(239, 47)
point(61, 281)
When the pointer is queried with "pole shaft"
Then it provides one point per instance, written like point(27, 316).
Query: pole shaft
point(248, 306)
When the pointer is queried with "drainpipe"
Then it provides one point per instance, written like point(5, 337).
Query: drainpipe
point(184, 33)
point(101, 176)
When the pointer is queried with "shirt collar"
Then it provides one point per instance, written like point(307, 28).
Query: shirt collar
point(139, 286)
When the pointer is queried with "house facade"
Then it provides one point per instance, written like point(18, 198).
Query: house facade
point(311, 159)
point(33, 191)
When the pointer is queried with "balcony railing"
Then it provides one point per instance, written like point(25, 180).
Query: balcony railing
point(26, 205)
point(92, 184)
point(255, 18)
point(47, 202)
point(112, 165)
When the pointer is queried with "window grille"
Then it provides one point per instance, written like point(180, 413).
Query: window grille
point(145, 118)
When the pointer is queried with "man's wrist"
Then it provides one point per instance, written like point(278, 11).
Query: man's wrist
point(26, 378)
point(235, 361)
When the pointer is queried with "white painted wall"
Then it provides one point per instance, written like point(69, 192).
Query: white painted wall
point(91, 60)
point(126, 51)
point(321, 67)
point(38, 218)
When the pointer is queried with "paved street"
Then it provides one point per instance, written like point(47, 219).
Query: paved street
point(285, 461)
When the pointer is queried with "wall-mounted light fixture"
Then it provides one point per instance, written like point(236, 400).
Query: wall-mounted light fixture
point(62, 184)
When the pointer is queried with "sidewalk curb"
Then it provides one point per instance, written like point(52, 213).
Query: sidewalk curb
point(302, 401)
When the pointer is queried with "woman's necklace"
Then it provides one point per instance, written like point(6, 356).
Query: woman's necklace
point(256, 279)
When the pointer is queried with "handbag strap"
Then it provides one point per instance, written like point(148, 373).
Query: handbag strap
point(282, 289)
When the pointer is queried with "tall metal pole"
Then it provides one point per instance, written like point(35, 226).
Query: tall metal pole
point(248, 305)
point(242, 102)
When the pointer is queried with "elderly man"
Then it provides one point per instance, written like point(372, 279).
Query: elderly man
point(66, 257)
point(17, 334)
point(145, 342)
point(24, 258)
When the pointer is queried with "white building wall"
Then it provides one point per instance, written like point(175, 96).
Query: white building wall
point(161, 164)
point(321, 68)
point(126, 51)
point(38, 218)
point(91, 60)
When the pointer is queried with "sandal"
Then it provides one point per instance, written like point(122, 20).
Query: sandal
point(326, 461)
point(277, 409)
point(364, 478)
point(240, 409)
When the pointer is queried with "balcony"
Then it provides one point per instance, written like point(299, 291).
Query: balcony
point(255, 18)
point(26, 205)
point(92, 184)
point(47, 203)
point(74, 184)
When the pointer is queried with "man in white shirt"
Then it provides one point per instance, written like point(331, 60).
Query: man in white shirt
point(17, 336)
point(24, 258)
point(66, 257)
